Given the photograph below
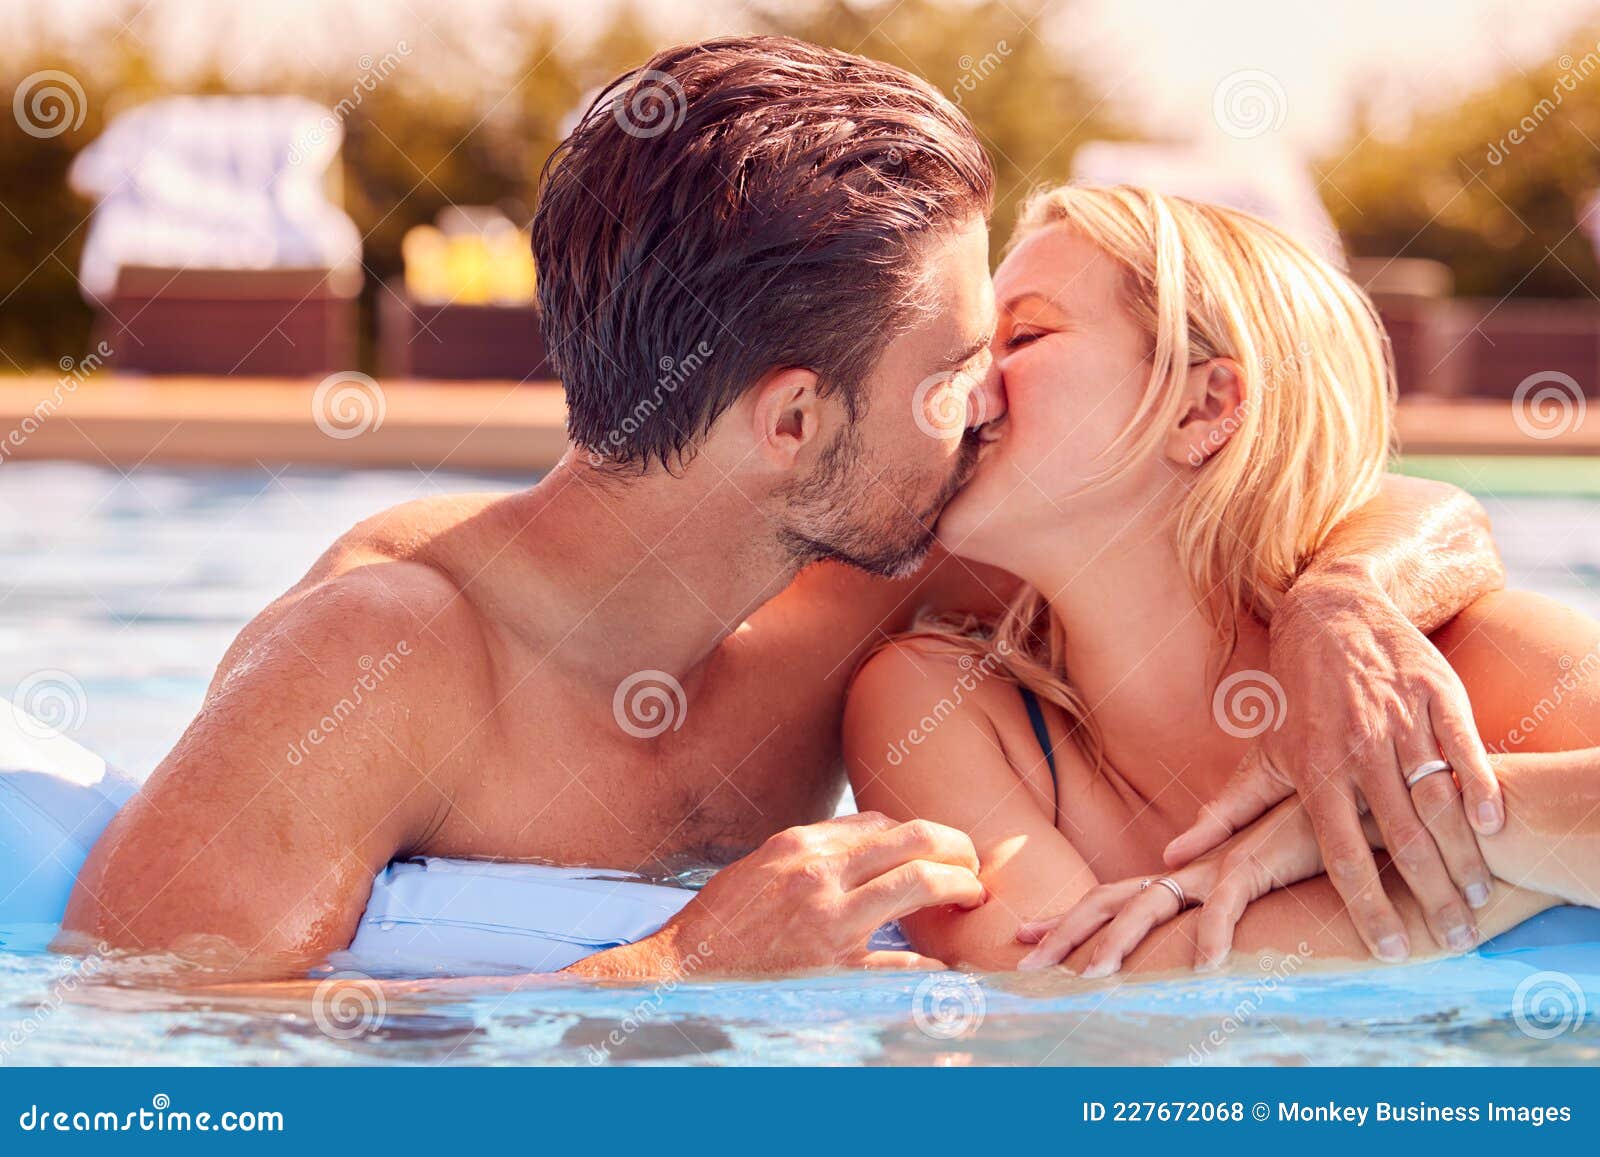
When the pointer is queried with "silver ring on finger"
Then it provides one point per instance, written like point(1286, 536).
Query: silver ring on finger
point(1424, 770)
point(1170, 885)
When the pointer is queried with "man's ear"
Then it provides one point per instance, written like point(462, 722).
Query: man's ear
point(785, 415)
point(1213, 404)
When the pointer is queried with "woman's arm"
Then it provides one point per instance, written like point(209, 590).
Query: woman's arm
point(920, 741)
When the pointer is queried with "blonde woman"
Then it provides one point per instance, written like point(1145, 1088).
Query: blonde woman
point(1194, 402)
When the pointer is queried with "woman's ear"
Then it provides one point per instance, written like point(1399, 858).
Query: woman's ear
point(1213, 405)
point(785, 415)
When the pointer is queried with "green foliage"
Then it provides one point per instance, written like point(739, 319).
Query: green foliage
point(437, 131)
point(1492, 186)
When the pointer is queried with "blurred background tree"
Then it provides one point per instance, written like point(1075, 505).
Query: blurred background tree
point(1457, 187)
point(445, 128)
point(462, 122)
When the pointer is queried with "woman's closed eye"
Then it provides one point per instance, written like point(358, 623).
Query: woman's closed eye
point(1021, 337)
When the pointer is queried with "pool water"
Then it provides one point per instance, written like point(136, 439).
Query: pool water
point(133, 585)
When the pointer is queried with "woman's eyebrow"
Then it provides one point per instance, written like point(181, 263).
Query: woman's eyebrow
point(1033, 295)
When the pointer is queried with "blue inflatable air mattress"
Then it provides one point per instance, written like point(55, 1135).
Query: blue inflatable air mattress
point(432, 917)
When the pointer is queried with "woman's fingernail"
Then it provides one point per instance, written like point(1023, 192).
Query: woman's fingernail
point(1489, 815)
point(1477, 895)
point(1208, 964)
point(1392, 949)
point(1096, 971)
point(1032, 962)
point(1460, 938)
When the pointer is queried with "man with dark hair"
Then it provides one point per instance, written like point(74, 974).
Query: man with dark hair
point(764, 280)
point(724, 210)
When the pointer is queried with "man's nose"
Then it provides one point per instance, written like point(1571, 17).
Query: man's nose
point(987, 403)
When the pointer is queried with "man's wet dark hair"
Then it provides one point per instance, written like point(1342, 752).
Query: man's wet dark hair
point(732, 207)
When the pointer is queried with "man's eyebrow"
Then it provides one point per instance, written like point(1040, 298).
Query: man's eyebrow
point(972, 350)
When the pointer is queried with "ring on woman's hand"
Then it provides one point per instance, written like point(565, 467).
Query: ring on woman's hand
point(1170, 885)
point(1425, 770)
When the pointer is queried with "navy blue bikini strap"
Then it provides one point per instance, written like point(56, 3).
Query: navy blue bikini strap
point(1036, 717)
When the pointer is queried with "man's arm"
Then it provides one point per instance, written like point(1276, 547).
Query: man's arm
point(1425, 545)
point(252, 848)
point(1367, 699)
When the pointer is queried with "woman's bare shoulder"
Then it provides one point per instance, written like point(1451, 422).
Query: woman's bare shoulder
point(921, 711)
point(921, 676)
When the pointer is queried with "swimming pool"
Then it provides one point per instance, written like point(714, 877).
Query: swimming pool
point(133, 585)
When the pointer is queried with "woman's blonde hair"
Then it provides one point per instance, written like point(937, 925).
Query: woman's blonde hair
point(1308, 444)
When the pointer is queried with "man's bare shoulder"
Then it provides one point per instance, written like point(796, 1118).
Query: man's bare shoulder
point(399, 576)
point(441, 532)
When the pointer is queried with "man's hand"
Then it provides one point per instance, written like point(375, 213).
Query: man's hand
point(1367, 701)
point(809, 898)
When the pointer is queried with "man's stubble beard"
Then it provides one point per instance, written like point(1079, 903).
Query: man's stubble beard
point(864, 524)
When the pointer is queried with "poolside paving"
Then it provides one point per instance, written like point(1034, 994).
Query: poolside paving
point(127, 421)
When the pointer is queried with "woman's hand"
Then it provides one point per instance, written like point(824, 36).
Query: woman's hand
point(1363, 701)
point(1275, 851)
